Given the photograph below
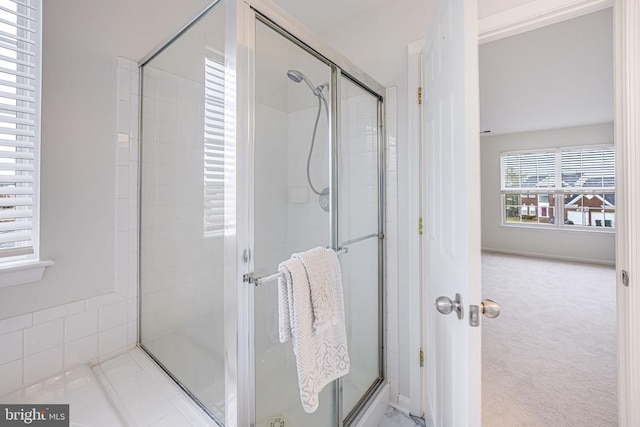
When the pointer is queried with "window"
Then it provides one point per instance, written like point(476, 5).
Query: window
point(20, 43)
point(214, 145)
point(576, 184)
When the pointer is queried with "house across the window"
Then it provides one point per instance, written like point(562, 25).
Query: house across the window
point(569, 187)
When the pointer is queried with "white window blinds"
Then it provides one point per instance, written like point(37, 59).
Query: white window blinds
point(580, 170)
point(214, 146)
point(20, 41)
point(528, 171)
point(588, 169)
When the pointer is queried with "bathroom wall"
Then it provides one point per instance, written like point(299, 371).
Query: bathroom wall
point(85, 305)
point(81, 45)
point(42, 343)
point(562, 244)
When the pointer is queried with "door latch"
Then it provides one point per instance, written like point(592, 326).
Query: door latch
point(488, 307)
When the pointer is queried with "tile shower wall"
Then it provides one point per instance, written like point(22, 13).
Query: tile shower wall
point(177, 283)
point(391, 240)
point(38, 345)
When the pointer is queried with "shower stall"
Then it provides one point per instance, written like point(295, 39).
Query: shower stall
point(257, 142)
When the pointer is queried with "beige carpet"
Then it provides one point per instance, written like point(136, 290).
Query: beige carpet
point(550, 358)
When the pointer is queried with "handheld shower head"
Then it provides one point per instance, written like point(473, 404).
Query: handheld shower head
point(295, 75)
point(298, 76)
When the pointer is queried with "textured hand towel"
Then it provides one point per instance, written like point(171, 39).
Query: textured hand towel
point(321, 355)
point(325, 279)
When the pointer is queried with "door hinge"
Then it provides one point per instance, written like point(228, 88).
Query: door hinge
point(420, 226)
point(420, 95)
point(625, 278)
point(421, 358)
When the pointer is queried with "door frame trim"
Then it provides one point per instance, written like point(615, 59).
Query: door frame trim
point(626, 26)
point(627, 131)
point(534, 15)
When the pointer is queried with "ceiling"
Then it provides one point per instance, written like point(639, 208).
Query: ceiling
point(553, 77)
point(557, 76)
point(320, 15)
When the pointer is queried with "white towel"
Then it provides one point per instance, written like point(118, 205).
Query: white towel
point(325, 279)
point(321, 354)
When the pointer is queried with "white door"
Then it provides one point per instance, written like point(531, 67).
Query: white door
point(451, 194)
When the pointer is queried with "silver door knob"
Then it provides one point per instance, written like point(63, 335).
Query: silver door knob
point(490, 308)
point(445, 306)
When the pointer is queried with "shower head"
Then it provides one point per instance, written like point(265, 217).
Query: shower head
point(298, 76)
point(295, 75)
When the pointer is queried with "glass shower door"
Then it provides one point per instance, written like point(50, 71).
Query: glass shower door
point(359, 231)
point(291, 208)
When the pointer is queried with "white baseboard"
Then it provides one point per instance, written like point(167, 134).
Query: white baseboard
point(377, 409)
point(547, 256)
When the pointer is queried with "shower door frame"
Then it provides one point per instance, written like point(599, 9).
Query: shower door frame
point(254, 12)
point(239, 349)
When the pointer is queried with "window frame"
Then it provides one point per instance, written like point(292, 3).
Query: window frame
point(25, 268)
point(556, 193)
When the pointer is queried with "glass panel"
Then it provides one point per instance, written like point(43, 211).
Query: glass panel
point(595, 210)
point(358, 218)
point(360, 281)
point(529, 208)
point(182, 210)
point(292, 105)
point(358, 162)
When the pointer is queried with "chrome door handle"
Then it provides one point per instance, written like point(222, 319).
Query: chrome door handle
point(490, 308)
point(445, 306)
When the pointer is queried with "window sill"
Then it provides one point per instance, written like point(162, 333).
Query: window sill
point(568, 228)
point(19, 272)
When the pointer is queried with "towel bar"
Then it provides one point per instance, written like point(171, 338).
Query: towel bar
point(257, 281)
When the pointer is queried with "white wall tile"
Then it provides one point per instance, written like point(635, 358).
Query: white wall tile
point(43, 336)
point(15, 323)
point(102, 300)
point(134, 154)
point(124, 83)
point(122, 247)
point(123, 269)
point(123, 117)
point(392, 364)
point(125, 63)
point(122, 150)
point(122, 184)
point(11, 374)
point(113, 315)
point(11, 347)
point(43, 365)
point(132, 333)
point(122, 214)
point(112, 340)
point(80, 351)
point(80, 325)
point(58, 312)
